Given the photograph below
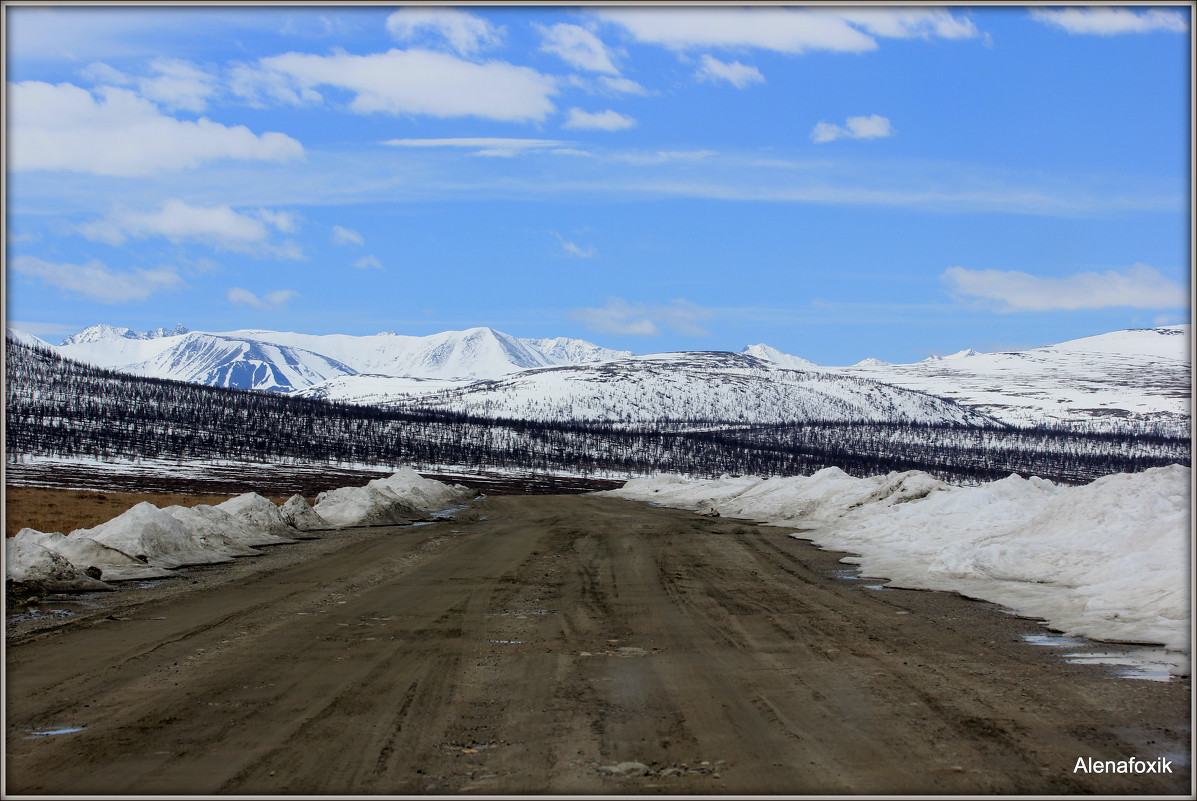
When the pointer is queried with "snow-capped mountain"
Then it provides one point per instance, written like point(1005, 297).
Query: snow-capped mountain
point(1140, 374)
point(774, 356)
point(1108, 381)
point(99, 333)
point(693, 386)
point(284, 361)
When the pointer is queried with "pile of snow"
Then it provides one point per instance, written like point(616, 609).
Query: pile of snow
point(43, 570)
point(257, 513)
point(425, 495)
point(391, 501)
point(148, 542)
point(298, 514)
point(1107, 560)
point(84, 553)
point(149, 534)
point(214, 522)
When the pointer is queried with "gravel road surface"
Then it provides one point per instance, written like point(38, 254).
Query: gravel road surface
point(563, 644)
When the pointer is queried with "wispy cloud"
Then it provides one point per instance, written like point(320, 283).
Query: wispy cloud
point(219, 227)
point(785, 30)
point(117, 132)
point(172, 83)
point(588, 252)
point(486, 146)
point(871, 127)
point(1101, 21)
point(462, 32)
point(403, 82)
point(346, 236)
point(577, 47)
point(271, 300)
point(603, 120)
point(97, 281)
point(620, 318)
point(1140, 286)
point(738, 75)
point(663, 156)
point(368, 262)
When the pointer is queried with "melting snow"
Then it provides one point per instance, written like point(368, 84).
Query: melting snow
point(1107, 560)
point(147, 542)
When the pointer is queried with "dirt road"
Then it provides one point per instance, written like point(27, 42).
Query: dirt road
point(565, 644)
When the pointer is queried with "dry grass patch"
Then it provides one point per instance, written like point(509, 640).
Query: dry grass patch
point(66, 510)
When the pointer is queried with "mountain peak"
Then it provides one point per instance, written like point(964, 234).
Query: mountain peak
point(98, 333)
point(772, 355)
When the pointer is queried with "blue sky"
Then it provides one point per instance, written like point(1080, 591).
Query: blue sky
point(836, 182)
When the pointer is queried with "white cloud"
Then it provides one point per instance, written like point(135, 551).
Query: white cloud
point(464, 33)
point(620, 86)
point(620, 318)
point(261, 87)
point(96, 281)
point(608, 85)
point(1103, 21)
point(663, 156)
point(404, 82)
point(217, 226)
point(909, 23)
point(785, 30)
point(488, 146)
point(464, 141)
point(346, 236)
point(779, 29)
point(588, 252)
point(367, 262)
point(871, 127)
point(271, 300)
point(173, 83)
point(279, 220)
point(179, 84)
point(1140, 286)
point(100, 73)
point(577, 47)
point(737, 74)
point(117, 132)
point(603, 120)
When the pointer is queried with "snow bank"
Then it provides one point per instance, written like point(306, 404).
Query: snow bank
point(258, 513)
point(1107, 560)
point(425, 495)
point(297, 513)
point(147, 542)
point(43, 570)
point(390, 501)
point(363, 506)
point(215, 523)
point(147, 533)
point(84, 553)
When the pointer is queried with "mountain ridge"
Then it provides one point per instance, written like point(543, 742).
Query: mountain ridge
point(1110, 380)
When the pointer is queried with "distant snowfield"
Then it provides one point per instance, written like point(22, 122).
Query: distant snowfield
point(1107, 560)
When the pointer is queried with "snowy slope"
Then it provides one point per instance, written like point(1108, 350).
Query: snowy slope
point(693, 386)
point(1138, 374)
point(27, 339)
